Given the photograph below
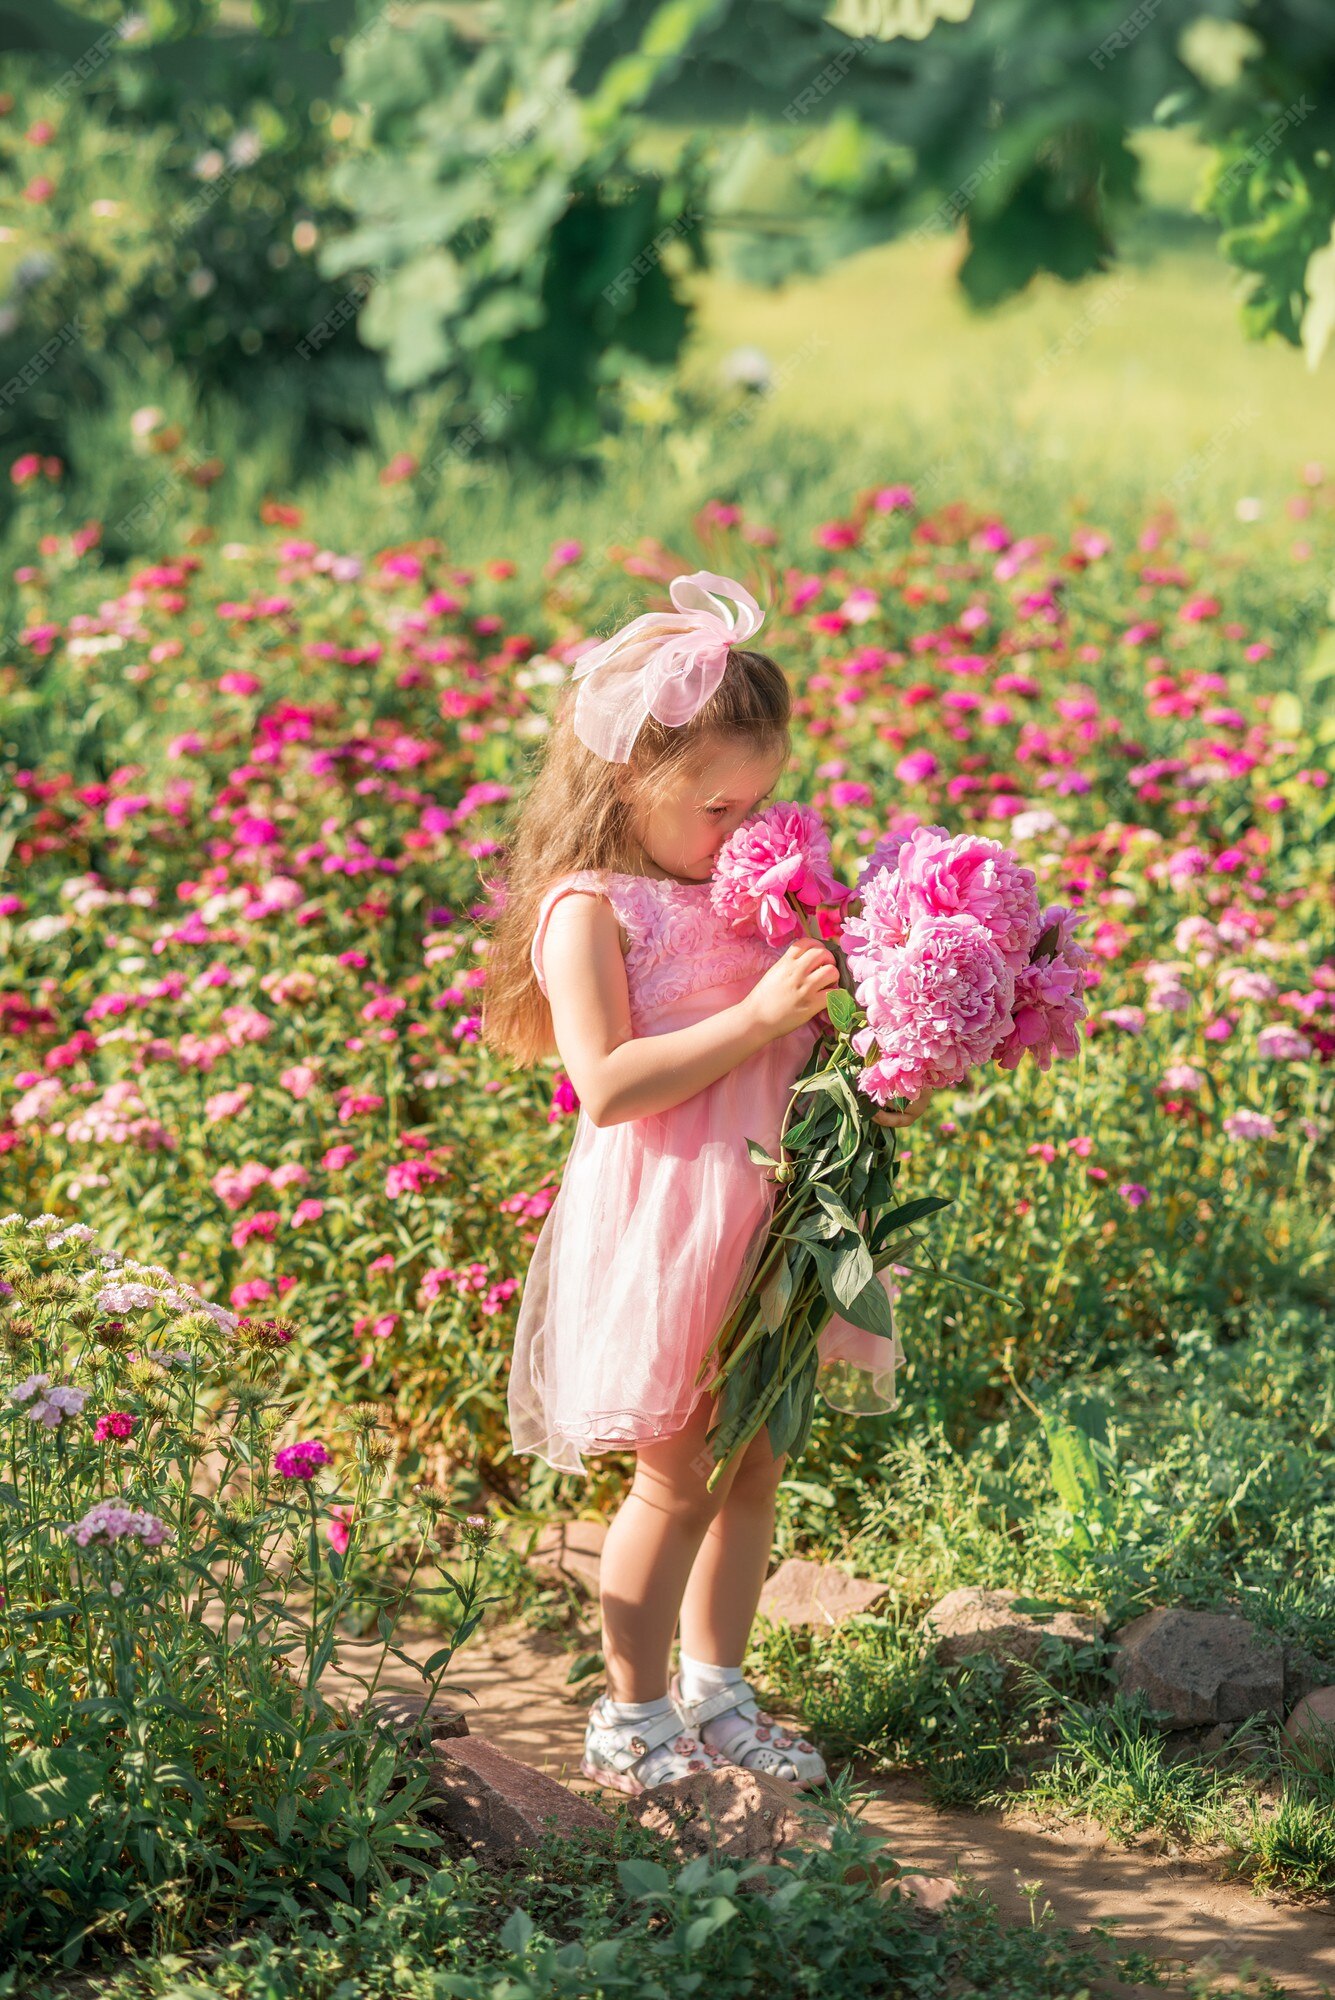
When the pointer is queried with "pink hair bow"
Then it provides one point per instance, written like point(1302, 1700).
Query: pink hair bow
point(664, 663)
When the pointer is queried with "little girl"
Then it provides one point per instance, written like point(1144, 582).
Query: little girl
point(682, 1040)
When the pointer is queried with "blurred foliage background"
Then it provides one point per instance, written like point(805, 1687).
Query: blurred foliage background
point(519, 232)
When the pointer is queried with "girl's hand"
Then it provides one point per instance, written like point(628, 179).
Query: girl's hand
point(913, 1111)
point(794, 988)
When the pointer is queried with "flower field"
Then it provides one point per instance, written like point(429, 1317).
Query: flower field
point(257, 790)
point(256, 797)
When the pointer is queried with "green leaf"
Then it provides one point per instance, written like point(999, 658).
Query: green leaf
point(842, 1008)
point(903, 1217)
point(775, 1294)
point(358, 1856)
point(583, 1665)
point(642, 1878)
point(835, 1208)
point(759, 1154)
point(868, 1308)
point(517, 1931)
point(853, 1272)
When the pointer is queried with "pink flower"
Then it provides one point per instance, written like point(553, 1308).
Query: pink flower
point(113, 1424)
point(307, 1211)
point(338, 1533)
point(967, 875)
point(928, 873)
point(1182, 1076)
point(112, 1521)
point(1132, 1193)
point(916, 768)
point(250, 1292)
point(784, 851)
point(1048, 996)
point(301, 1460)
point(227, 1103)
point(1278, 1043)
point(264, 1224)
point(299, 1081)
point(235, 1185)
point(1250, 1125)
point(409, 1177)
point(937, 1006)
point(338, 1157)
point(564, 1098)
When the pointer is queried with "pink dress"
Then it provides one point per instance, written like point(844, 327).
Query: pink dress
point(660, 1222)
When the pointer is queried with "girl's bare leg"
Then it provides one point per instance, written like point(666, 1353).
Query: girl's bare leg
point(647, 1556)
point(719, 1602)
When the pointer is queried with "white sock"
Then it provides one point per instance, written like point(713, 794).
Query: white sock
point(638, 1711)
point(731, 1731)
point(699, 1678)
point(625, 1717)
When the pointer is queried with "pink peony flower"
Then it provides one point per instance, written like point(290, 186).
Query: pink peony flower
point(968, 875)
point(784, 851)
point(1048, 995)
point(936, 1006)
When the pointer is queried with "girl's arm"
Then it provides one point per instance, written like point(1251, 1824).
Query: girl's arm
point(620, 1075)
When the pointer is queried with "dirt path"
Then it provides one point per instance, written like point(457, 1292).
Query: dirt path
point(1176, 1908)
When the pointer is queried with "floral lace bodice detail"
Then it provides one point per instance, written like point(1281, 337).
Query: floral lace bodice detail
point(677, 944)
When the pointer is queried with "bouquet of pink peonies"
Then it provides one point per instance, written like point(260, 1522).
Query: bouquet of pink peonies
point(949, 962)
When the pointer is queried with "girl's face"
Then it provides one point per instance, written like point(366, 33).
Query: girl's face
point(709, 800)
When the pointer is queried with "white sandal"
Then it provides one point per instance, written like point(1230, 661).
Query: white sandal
point(612, 1758)
point(770, 1749)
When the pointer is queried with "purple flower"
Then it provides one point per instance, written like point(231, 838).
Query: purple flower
point(300, 1461)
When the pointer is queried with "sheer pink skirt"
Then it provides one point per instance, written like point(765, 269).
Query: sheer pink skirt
point(656, 1231)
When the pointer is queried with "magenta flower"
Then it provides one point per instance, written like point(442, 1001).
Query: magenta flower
point(300, 1461)
point(783, 852)
point(1048, 996)
point(936, 1007)
point(113, 1424)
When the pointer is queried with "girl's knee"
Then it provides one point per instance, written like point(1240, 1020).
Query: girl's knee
point(759, 1471)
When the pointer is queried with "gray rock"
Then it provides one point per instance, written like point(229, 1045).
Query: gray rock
point(571, 1550)
point(499, 1805)
point(401, 1713)
point(1311, 1727)
point(812, 1593)
point(1302, 1672)
point(1199, 1667)
point(974, 1620)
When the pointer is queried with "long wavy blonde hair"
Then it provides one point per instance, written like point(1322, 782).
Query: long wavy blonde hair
point(578, 812)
